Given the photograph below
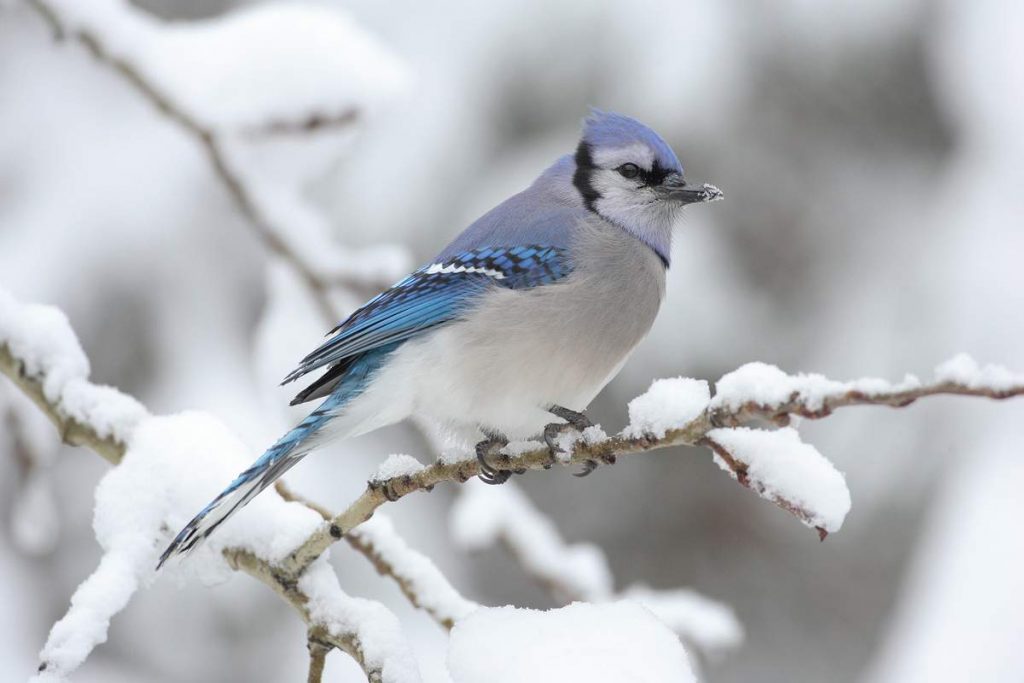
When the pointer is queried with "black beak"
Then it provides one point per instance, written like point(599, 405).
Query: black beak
point(676, 189)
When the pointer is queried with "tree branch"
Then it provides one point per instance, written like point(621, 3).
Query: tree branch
point(287, 588)
point(72, 431)
point(81, 433)
point(417, 577)
point(318, 649)
point(694, 432)
point(730, 407)
point(269, 232)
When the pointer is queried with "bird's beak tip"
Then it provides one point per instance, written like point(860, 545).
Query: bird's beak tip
point(711, 193)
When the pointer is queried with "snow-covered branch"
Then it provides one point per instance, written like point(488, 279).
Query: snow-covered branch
point(169, 466)
point(161, 461)
point(681, 412)
point(147, 55)
point(418, 578)
point(40, 354)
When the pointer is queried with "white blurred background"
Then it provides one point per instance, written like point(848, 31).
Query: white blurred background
point(870, 154)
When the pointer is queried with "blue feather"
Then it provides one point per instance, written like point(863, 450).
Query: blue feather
point(280, 457)
point(435, 295)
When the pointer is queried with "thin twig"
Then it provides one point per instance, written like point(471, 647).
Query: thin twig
point(270, 234)
point(445, 613)
point(286, 586)
point(318, 649)
point(72, 432)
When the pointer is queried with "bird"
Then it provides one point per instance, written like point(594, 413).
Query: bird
point(526, 315)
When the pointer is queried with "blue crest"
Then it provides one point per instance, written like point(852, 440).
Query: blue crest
point(608, 129)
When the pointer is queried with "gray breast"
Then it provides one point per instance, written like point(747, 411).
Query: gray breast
point(562, 343)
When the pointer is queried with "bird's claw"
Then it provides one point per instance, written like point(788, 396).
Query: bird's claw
point(551, 433)
point(592, 464)
point(588, 467)
point(578, 421)
point(573, 420)
point(488, 474)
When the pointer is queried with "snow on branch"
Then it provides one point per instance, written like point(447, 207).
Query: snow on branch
point(324, 72)
point(167, 468)
point(41, 355)
point(416, 575)
point(170, 466)
point(680, 412)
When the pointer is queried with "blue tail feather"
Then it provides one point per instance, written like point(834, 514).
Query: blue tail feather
point(278, 459)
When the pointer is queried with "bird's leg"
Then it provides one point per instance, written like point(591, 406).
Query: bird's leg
point(484, 450)
point(573, 420)
point(577, 420)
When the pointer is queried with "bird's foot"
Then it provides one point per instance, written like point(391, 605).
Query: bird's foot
point(485, 450)
point(579, 422)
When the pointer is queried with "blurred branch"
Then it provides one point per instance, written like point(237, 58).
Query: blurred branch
point(287, 587)
point(112, 449)
point(424, 585)
point(273, 236)
point(313, 124)
point(392, 558)
point(318, 650)
point(693, 433)
point(803, 406)
point(72, 432)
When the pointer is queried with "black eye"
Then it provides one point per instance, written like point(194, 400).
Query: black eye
point(629, 170)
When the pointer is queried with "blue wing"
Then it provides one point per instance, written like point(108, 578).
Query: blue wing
point(435, 295)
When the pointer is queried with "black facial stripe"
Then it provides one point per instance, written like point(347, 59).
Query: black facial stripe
point(581, 179)
point(656, 176)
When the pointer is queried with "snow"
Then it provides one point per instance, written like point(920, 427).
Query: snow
point(767, 385)
point(42, 339)
point(668, 404)
point(483, 515)
point(962, 369)
point(618, 642)
point(433, 591)
point(594, 435)
point(707, 624)
point(397, 465)
point(781, 467)
point(379, 634)
point(96, 600)
point(274, 62)
point(174, 466)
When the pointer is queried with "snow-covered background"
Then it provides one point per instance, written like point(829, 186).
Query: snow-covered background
point(873, 226)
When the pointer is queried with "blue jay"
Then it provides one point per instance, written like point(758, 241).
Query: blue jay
point(526, 314)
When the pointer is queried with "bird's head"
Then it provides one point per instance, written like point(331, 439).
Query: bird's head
point(628, 175)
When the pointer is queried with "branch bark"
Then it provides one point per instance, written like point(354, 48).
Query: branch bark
point(318, 650)
point(286, 586)
point(72, 432)
point(269, 233)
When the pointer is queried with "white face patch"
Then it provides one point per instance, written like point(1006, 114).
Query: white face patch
point(435, 268)
point(635, 208)
point(636, 153)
